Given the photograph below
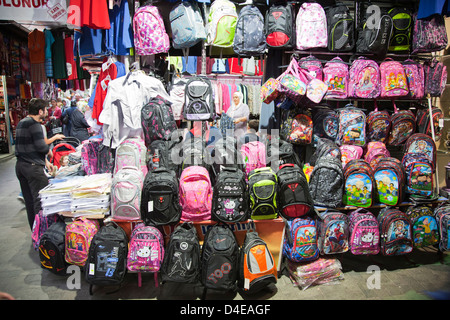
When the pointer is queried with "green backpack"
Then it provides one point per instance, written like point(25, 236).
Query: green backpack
point(401, 32)
point(222, 22)
point(263, 187)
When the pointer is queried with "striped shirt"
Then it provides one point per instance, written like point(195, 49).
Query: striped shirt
point(30, 143)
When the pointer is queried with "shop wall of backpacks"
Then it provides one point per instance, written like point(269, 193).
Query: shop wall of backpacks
point(351, 108)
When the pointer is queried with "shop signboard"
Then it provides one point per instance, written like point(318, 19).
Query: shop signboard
point(54, 11)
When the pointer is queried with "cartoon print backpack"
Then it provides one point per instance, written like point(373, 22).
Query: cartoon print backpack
point(425, 230)
point(150, 36)
point(395, 232)
point(375, 151)
point(297, 128)
point(352, 126)
point(393, 79)
point(311, 27)
point(359, 187)
point(335, 75)
point(52, 248)
point(435, 77)
point(364, 236)
point(403, 125)
point(341, 29)
point(199, 100)
point(424, 124)
point(131, 152)
point(146, 251)
point(263, 190)
point(364, 79)
point(415, 78)
point(300, 242)
point(401, 33)
point(325, 122)
point(249, 38)
point(312, 66)
point(332, 232)
point(89, 155)
point(187, 25)
point(126, 188)
point(350, 152)
point(253, 156)
point(378, 125)
point(222, 21)
point(316, 90)
point(79, 234)
point(293, 82)
point(390, 178)
point(429, 34)
point(279, 26)
point(40, 225)
point(195, 194)
point(442, 215)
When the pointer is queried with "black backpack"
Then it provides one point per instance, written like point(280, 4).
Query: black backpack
point(279, 27)
point(52, 248)
point(161, 153)
point(230, 196)
point(182, 256)
point(402, 24)
point(341, 28)
point(199, 100)
point(105, 159)
point(225, 154)
point(294, 199)
point(160, 198)
point(106, 264)
point(220, 259)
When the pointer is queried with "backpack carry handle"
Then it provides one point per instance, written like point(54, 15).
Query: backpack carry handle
point(286, 165)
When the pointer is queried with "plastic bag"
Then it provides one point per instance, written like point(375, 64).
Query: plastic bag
point(321, 271)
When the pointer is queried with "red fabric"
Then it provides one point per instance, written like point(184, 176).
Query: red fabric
point(102, 90)
point(70, 59)
point(90, 13)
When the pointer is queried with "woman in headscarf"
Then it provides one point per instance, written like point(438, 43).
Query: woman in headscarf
point(240, 112)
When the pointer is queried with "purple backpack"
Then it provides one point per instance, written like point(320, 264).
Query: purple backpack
point(195, 194)
point(41, 224)
point(150, 36)
point(313, 66)
point(89, 155)
point(335, 75)
point(393, 79)
point(364, 233)
point(378, 125)
point(364, 79)
point(429, 34)
point(435, 77)
point(415, 78)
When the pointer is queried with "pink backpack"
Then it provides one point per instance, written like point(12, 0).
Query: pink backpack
point(146, 251)
point(311, 27)
point(131, 152)
point(375, 150)
point(253, 155)
point(79, 234)
point(89, 155)
point(393, 79)
point(364, 233)
point(415, 77)
point(150, 36)
point(195, 194)
point(335, 75)
point(350, 152)
point(364, 79)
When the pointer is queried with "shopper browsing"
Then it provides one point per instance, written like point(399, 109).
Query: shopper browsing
point(240, 112)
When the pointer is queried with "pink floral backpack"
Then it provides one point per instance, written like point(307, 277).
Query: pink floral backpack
point(393, 79)
point(195, 194)
point(311, 27)
point(335, 75)
point(364, 79)
point(79, 234)
point(150, 36)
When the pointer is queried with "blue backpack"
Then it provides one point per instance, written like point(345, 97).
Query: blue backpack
point(249, 38)
point(300, 243)
point(187, 25)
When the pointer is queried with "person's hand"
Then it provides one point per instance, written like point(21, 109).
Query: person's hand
point(59, 136)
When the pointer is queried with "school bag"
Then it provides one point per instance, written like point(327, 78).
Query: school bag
point(403, 125)
point(145, 251)
point(378, 125)
point(335, 76)
point(352, 126)
point(325, 147)
point(442, 215)
point(359, 187)
point(393, 79)
point(435, 77)
point(325, 122)
point(220, 259)
point(364, 79)
point(300, 242)
point(279, 26)
point(312, 66)
point(350, 152)
point(341, 29)
point(253, 155)
point(249, 38)
point(195, 153)
point(187, 25)
point(401, 32)
point(258, 268)
point(374, 39)
point(160, 204)
point(182, 256)
point(161, 154)
point(89, 155)
point(230, 201)
point(297, 127)
point(294, 199)
point(263, 190)
point(105, 159)
point(225, 154)
point(284, 153)
point(375, 151)
point(150, 36)
point(332, 232)
point(198, 100)
point(390, 179)
point(40, 225)
point(424, 226)
point(176, 91)
point(52, 248)
point(131, 152)
point(424, 124)
point(364, 236)
point(157, 120)
point(79, 234)
point(293, 82)
point(126, 189)
point(195, 194)
point(415, 77)
point(221, 26)
point(429, 34)
point(106, 264)
point(311, 27)
point(316, 90)
point(395, 232)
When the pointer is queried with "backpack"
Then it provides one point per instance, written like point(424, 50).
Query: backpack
point(415, 78)
point(395, 232)
point(374, 39)
point(364, 79)
point(222, 21)
point(364, 236)
point(52, 249)
point(359, 187)
point(341, 29)
point(126, 188)
point(131, 152)
point(105, 159)
point(378, 125)
point(249, 38)
point(230, 196)
point(146, 251)
point(286, 154)
point(220, 258)
point(160, 203)
point(257, 265)
point(429, 34)
point(79, 234)
point(312, 66)
point(316, 90)
point(311, 27)
point(401, 32)
point(393, 79)
point(106, 264)
point(390, 178)
point(375, 151)
point(300, 242)
point(424, 124)
point(89, 155)
point(350, 152)
point(198, 99)
point(195, 153)
point(182, 256)
point(224, 154)
point(424, 226)
point(187, 25)
point(263, 189)
point(332, 232)
point(157, 120)
point(253, 156)
point(293, 198)
point(352, 126)
point(435, 77)
point(161, 154)
point(335, 76)
point(40, 225)
point(403, 125)
point(176, 91)
point(325, 122)
point(279, 27)
point(150, 36)
point(297, 128)
point(195, 194)
point(326, 182)
point(325, 147)
point(442, 215)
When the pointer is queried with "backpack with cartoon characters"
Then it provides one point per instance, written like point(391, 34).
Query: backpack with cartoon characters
point(364, 79)
point(364, 236)
point(403, 125)
point(335, 76)
point(425, 230)
point(415, 77)
point(442, 215)
point(395, 232)
point(393, 79)
point(297, 128)
point(359, 187)
point(378, 125)
point(390, 179)
point(300, 242)
point(352, 126)
point(333, 232)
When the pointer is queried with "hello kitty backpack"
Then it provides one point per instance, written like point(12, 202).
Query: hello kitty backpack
point(364, 233)
point(393, 79)
point(150, 36)
point(311, 27)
